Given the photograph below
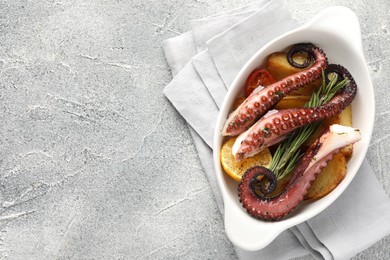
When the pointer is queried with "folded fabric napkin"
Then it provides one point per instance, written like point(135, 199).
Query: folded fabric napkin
point(204, 63)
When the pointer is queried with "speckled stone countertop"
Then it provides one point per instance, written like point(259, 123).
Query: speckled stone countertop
point(95, 163)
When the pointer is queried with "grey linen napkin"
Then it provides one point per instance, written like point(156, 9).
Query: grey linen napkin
point(204, 62)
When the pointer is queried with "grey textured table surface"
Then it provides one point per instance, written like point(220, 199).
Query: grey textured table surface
point(94, 160)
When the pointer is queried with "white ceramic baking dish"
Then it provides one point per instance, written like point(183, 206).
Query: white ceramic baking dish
point(336, 30)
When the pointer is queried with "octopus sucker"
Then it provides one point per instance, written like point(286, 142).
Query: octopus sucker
point(292, 118)
point(253, 195)
point(272, 91)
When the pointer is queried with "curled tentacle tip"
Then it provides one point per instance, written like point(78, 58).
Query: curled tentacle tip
point(263, 186)
point(301, 47)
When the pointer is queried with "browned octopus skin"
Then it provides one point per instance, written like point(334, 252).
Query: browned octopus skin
point(274, 208)
point(287, 120)
point(259, 102)
point(254, 197)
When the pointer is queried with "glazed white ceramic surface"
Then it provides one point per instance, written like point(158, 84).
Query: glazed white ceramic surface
point(336, 30)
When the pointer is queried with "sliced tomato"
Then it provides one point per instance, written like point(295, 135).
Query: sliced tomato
point(258, 77)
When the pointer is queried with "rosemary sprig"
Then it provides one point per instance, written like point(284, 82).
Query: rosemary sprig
point(288, 153)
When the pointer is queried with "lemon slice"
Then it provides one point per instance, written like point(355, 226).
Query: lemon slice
point(236, 169)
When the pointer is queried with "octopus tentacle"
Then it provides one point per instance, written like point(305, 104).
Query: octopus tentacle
point(261, 100)
point(316, 157)
point(272, 127)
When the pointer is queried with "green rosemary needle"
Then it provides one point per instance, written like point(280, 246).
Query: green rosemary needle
point(288, 153)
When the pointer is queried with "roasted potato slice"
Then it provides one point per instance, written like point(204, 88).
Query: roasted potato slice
point(292, 102)
point(329, 177)
point(279, 68)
